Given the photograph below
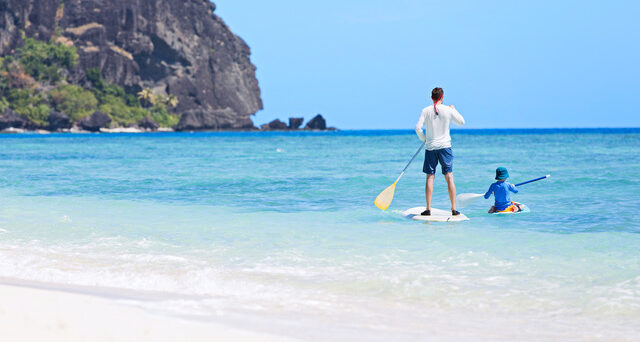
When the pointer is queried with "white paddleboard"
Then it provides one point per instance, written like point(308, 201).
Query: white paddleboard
point(437, 215)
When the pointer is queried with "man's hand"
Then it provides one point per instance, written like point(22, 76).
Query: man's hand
point(452, 106)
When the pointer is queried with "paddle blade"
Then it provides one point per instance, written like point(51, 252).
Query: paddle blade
point(464, 200)
point(383, 201)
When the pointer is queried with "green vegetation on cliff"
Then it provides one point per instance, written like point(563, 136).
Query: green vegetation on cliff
point(44, 61)
point(74, 101)
point(34, 81)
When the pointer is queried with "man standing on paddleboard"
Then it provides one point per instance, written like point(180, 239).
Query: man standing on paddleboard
point(436, 120)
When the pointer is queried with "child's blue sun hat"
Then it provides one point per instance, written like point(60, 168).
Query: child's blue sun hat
point(502, 173)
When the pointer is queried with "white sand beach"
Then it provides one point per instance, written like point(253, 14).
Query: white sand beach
point(34, 314)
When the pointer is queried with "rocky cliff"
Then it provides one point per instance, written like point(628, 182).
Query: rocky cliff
point(177, 47)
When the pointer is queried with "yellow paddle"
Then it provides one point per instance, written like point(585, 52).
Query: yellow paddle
point(383, 201)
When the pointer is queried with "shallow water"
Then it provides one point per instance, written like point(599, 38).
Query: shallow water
point(278, 232)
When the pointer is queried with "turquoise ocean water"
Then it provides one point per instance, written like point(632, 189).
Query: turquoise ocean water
point(277, 232)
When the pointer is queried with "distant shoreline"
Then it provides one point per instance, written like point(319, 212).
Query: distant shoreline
point(132, 130)
point(464, 131)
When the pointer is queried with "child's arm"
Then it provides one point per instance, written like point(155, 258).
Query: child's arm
point(488, 194)
point(513, 188)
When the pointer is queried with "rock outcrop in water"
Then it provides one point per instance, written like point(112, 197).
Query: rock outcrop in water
point(95, 122)
point(277, 125)
point(295, 123)
point(58, 121)
point(9, 119)
point(317, 123)
point(148, 124)
point(177, 47)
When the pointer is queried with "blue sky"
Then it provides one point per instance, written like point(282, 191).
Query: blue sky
point(372, 64)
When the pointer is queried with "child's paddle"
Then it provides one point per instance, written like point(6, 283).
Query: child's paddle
point(386, 196)
point(464, 200)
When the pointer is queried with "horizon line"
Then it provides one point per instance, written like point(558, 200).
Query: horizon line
point(492, 128)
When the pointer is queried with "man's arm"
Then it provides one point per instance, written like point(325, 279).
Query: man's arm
point(456, 117)
point(420, 125)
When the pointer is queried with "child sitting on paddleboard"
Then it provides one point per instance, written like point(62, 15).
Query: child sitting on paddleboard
point(500, 191)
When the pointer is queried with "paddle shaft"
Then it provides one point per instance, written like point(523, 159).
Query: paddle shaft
point(533, 180)
point(410, 161)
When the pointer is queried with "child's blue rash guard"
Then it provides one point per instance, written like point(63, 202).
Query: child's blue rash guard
point(500, 191)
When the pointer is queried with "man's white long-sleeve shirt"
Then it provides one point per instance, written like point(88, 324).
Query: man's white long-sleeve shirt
point(437, 126)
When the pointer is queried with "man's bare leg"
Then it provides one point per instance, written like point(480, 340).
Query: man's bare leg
point(452, 189)
point(428, 189)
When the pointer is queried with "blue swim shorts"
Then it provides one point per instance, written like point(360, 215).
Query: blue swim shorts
point(431, 159)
